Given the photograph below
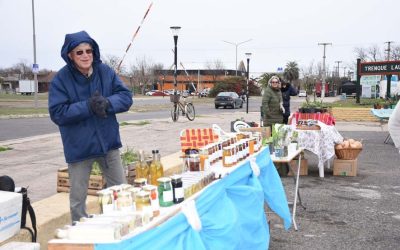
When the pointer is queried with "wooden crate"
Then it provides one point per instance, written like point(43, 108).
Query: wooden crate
point(96, 182)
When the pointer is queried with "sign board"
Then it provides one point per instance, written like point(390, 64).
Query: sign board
point(370, 80)
point(35, 68)
point(381, 68)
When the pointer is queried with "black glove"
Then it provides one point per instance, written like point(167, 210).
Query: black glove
point(98, 105)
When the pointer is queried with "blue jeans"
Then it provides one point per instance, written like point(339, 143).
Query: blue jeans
point(79, 174)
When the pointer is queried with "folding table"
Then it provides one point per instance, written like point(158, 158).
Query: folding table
point(296, 174)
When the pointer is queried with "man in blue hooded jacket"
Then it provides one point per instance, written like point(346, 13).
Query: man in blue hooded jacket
point(84, 98)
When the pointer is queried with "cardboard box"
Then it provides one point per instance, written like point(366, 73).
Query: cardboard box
point(345, 167)
point(10, 214)
point(265, 131)
point(303, 167)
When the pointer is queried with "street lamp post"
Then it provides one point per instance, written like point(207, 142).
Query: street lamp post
point(34, 68)
point(236, 46)
point(175, 31)
point(248, 55)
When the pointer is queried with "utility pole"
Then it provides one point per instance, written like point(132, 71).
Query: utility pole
point(344, 71)
point(338, 62)
point(388, 50)
point(323, 71)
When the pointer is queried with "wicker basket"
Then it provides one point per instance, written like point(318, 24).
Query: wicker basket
point(174, 98)
point(347, 153)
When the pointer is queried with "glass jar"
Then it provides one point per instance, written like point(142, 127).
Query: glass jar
point(203, 155)
point(194, 162)
point(227, 157)
point(177, 189)
point(142, 200)
point(134, 191)
point(154, 201)
point(165, 192)
point(140, 182)
point(124, 201)
point(105, 199)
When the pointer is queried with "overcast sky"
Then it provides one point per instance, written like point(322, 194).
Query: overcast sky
point(281, 30)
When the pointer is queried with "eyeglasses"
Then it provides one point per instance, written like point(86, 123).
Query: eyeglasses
point(80, 52)
point(274, 82)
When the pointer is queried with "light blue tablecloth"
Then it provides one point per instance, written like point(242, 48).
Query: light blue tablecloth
point(231, 213)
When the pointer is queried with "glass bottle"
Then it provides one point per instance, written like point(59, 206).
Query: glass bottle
point(153, 169)
point(160, 167)
point(142, 169)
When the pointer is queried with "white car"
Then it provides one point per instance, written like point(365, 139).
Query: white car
point(302, 93)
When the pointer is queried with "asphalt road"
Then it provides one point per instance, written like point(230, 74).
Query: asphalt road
point(160, 108)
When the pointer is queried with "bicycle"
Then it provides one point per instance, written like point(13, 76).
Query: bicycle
point(182, 107)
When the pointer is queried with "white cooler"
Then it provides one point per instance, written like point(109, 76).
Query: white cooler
point(10, 214)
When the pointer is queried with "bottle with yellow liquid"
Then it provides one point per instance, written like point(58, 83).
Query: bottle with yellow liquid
point(142, 169)
point(159, 166)
point(153, 170)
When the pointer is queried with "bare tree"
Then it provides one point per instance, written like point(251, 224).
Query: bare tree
point(374, 53)
point(361, 53)
point(395, 53)
point(113, 62)
point(144, 73)
point(214, 68)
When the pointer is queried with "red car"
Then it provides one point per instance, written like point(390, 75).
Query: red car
point(157, 93)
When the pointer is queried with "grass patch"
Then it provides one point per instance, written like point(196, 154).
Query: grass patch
point(351, 103)
point(22, 111)
point(12, 97)
point(2, 149)
point(140, 123)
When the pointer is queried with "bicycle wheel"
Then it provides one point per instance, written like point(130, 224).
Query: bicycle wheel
point(190, 113)
point(175, 112)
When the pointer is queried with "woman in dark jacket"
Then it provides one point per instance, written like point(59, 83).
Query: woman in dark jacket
point(287, 90)
point(272, 106)
point(84, 98)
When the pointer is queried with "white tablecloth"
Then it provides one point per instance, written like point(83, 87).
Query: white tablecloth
point(320, 142)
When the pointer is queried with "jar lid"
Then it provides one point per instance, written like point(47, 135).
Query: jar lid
point(149, 187)
point(164, 179)
point(140, 180)
point(176, 177)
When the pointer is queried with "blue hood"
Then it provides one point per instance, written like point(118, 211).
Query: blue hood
point(73, 40)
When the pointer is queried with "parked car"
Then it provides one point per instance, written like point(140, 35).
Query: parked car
point(225, 99)
point(157, 93)
point(204, 92)
point(149, 93)
point(302, 93)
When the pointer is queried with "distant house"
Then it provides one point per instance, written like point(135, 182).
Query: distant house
point(44, 80)
point(201, 79)
point(9, 84)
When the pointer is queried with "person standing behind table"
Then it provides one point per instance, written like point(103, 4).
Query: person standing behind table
point(272, 106)
point(394, 126)
point(84, 98)
point(287, 90)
